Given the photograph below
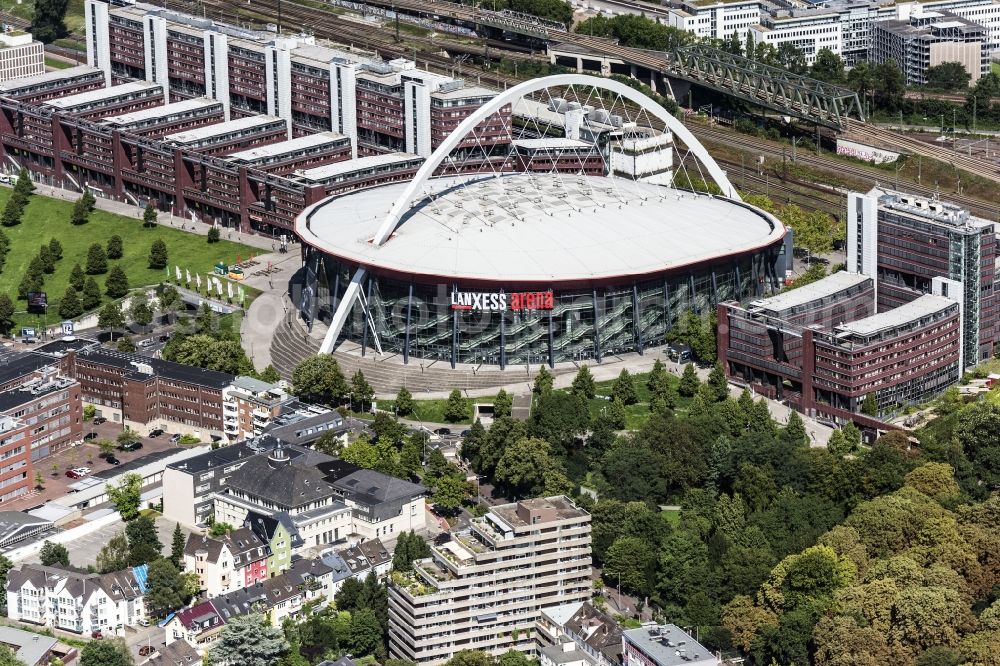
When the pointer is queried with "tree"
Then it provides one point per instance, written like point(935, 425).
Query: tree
point(449, 492)
point(8, 658)
point(125, 495)
point(523, 467)
point(32, 281)
point(457, 408)
point(794, 432)
point(108, 652)
point(97, 260)
point(47, 258)
point(868, 406)
point(70, 306)
point(361, 391)
point(77, 278)
point(543, 381)
point(559, 418)
point(6, 313)
point(158, 254)
point(53, 553)
point(47, 22)
point(139, 309)
point(149, 216)
point(319, 379)
point(5, 566)
point(126, 345)
point(828, 66)
point(248, 640)
point(56, 248)
point(689, 382)
point(718, 383)
point(471, 658)
point(624, 388)
point(91, 294)
point(113, 556)
point(13, 210)
point(82, 209)
point(404, 402)
point(24, 186)
point(213, 235)
point(409, 547)
point(366, 632)
point(503, 404)
point(616, 415)
point(143, 541)
point(583, 383)
point(948, 76)
point(177, 543)
point(347, 596)
point(114, 247)
point(629, 560)
point(270, 375)
point(166, 587)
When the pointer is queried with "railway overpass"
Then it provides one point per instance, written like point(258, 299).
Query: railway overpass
point(754, 82)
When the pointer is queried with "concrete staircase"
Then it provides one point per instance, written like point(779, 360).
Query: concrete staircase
point(291, 344)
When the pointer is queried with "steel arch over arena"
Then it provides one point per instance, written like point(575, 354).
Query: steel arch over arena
point(558, 222)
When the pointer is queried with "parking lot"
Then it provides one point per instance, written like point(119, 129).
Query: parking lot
point(83, 551)
point(53, 468)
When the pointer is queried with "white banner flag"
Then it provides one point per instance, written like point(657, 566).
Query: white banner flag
point(197, 279)
point(218, 287)
point(188, 274)
point(178, 270)
point(229, 288)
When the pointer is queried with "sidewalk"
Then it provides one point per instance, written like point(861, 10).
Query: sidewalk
point(166, 219)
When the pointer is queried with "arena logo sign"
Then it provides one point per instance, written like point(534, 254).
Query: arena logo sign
point(485, 301)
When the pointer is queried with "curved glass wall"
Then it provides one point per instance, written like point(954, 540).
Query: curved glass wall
point(456, 324)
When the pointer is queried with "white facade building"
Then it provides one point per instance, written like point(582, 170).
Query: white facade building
point(75, 602)
point(20, 55)
point(716, 18)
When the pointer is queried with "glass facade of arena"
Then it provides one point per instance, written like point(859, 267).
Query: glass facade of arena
point(418, 321)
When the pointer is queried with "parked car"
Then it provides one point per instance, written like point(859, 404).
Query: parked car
point(144, 622)
point(164, 338)
point(72, 473)
point(156, 432)
point(90, 436)
point(99, 420)
point(78, 472)
point(175, 438)
point(130, 446)
point(112, 460)
point(148, 342)
point(443, 431)
point(97, 634)
point(146, 650)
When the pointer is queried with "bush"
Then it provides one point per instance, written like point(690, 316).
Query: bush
point(158, 254)
point(97, 260)
point(115, 247)
point(213, 235)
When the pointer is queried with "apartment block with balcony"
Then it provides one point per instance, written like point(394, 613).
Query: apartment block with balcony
point(486, 587)
point(249, 406)
point(80, 603)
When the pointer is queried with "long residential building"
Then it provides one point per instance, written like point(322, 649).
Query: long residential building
point(485, 588)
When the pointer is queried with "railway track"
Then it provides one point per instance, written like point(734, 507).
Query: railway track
point(329, 26)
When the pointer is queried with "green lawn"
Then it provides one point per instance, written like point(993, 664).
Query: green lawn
point(432, 411)
point(995, 68)
point(47, 218)
point(58, 64)
point(637, 414)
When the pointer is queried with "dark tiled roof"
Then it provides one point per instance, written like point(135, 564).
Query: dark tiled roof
point(264, 526)
point(217, 457)
point(18, 365)
point(294, 482)
point(178, 653)
point(13, 399)
point(203, 614)
point(599, 630)
point(167, 369)
point(366, 486)
point(244, 545)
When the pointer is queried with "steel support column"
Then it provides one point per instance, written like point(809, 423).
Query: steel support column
point(409, 314)
point(597, 329)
